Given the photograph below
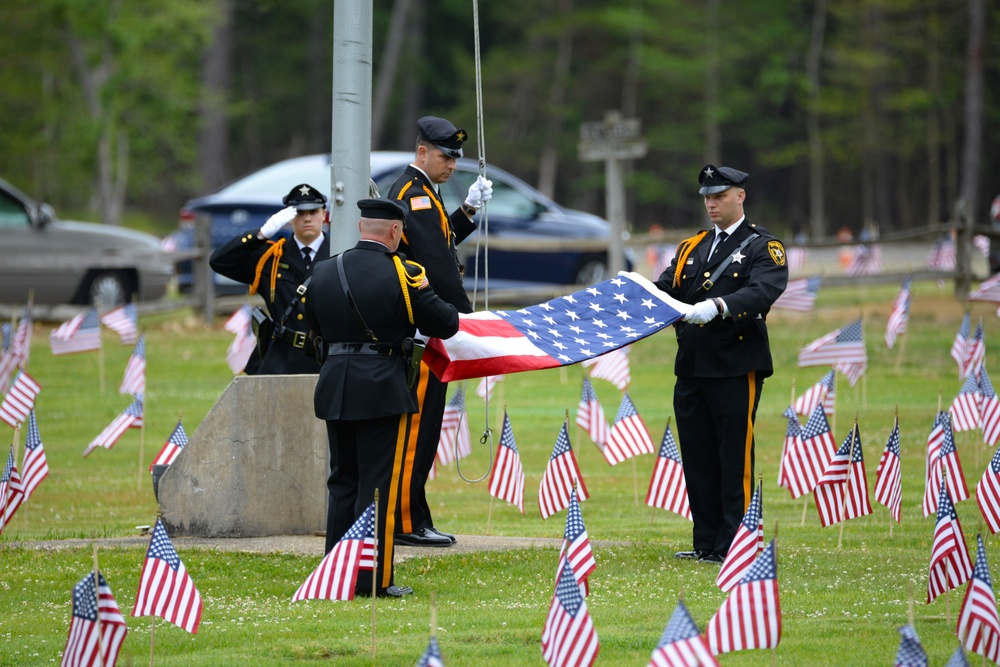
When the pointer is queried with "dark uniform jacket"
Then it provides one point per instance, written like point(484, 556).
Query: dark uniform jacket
point(737, 344)
point(431, 235)
point(238, 260)
point(367, 386)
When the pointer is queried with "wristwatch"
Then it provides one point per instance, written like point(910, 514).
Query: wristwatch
point(468, 210)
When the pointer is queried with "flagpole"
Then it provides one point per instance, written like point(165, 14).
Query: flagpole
point(142, 441)
point(847, 482)
point(374, 572)
point(489, 516)
point(152, 635)
point(635, 483)
point(100, 358)
point(97, 595)
point(899, 355)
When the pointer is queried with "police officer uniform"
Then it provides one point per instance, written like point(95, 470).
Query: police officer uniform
point(362, 391)
point(277, 270)
point(431, 238)
point(721, 365)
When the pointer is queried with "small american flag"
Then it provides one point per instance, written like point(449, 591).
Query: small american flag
point(942, 256)
point(34, 464)
point(667, 487)
point(432, 656)
point(83, 647)
point(866, 260)
point(911, 652)
point(16, 348)
point(165, 587)
point(20, 399)
point(590, 415)
point(807, 461)
point(239, 321)
point(484, 389)
point(134, 379)
point(336, 575)
point(613, 367)
point(975, 353)
point(11, 490)
point(988, 290)
point(747, 544)
point(793, 438)
point(751, 615)
point(842, 492)
point(131, 417)
point(682, 644)
point(932, 463)
point(900, 314)
point(844, 349)
point(659, 256)
point(507, 480)
point(628, 436)
point(988, 494)
point(960, 346)
point(576, 545)
point(245, 341)
point(561, 476)
point(965, 408)
point(823, 392)
point(455, 442)
point(888, 478)
point(957, 489)
point(989, 410)
point(568, 636)
point(978, 622)
point(957, 659)
point(950, 563)
point(124, 321)
point(171, 448)
point(80, 334)
point(800, 295)
point(796, 256)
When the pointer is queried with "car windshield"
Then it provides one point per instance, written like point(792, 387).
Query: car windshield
point(272, 183)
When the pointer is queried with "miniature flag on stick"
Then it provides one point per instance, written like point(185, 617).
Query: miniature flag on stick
point(455, 442)
point(747, 544)
point(911, 652)
point(336, 575)
point(576, 545)
point(807, 459)
point(98, 627)
point(431, 656)
point(988, 494)
point(965, 408)
point(900, 314)
point(165, 587)
point(800, 295)
point(20, 399)
point(11, 490)
point(960, 346)
point(628, 436)
point(667, 487)
point(33, 464)
point(80, 334)
point(978, 623)
point(172, 447)
point(134, 379)
point(561, 476)
point(612, 367)
point(568, 636)
point(751, 615)
point(950, 563)
point(823, 392)
point(682, 645)
point(131, 417)
point(844, 349)
point(888, 478)
point(124, 321)
point(989, 410)
point(975, 353)
point(590, 415)
point(793, 439)
point(842, 492)
point(507, 480)
point(245, 341)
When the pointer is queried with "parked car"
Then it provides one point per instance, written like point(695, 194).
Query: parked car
point(517, 211)
point(62, 262)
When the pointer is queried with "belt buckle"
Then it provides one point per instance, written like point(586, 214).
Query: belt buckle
point(299, 340)
point(707, 285)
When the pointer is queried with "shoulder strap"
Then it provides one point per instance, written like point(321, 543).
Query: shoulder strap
point(350, 298)
point(707, 285)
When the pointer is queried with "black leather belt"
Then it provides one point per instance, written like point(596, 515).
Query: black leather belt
point(379, 349)
point(296, 338)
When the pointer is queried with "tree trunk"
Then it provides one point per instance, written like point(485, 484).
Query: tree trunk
point(216, 75)
point(713, 133)
point(386, 77)
point(413, 97)
point(971, 151)
point(548, 163)
point(817, 222)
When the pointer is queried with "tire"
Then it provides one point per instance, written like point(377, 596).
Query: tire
point(107, 289)
point(592, 270)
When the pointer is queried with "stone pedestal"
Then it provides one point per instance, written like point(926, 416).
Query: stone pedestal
point(256, 465)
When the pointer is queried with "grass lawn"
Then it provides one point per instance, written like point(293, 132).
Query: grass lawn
point(840, 604)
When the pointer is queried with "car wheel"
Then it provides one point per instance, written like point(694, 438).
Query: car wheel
point(591, 271)
point(108, 289)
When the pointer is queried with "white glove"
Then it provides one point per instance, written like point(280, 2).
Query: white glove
point(702, 313)
point(480, 192)
point(277, 221)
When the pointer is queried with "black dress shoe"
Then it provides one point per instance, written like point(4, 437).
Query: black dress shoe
point(423, 538)
point(697, 554)
point(443, 534)
point(714, 557)
point(391, 592)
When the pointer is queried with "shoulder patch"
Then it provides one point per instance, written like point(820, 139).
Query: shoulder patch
point(777, 252)
point(420, 203)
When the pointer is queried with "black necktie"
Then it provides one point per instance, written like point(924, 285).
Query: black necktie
point(305, 255)
point(722, 239)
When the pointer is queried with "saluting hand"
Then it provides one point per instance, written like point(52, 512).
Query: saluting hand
point(277, 221)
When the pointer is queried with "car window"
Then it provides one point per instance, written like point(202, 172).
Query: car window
point(506, 200)
point(12, 213)
point(273, 182)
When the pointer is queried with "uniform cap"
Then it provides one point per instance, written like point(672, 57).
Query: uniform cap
point(714, 179)
point(443, 134)
point(305, 198)
point(383, 209)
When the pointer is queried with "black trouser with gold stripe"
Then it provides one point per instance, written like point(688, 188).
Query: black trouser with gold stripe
point(715, 418)
point(421, 448)
point(365, 455)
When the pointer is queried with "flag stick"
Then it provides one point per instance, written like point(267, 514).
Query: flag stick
point(847, 482)
point(152, 634)
point(100, 359)
point(374, 573)
point(902, 350)
point(947, 606)
point(142, 442)
point(791, 400)
point(833, 424)
point(97, 595)
point(489, 516)
point(864, 391)
point(909, 609)
point(805, 508)
point(635, 483)
point(433, 614)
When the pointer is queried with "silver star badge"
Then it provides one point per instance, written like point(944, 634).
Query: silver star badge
point(304, 190)
point(708, 172)
point(738, 257)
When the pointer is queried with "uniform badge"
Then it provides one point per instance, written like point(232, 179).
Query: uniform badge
point(420, 203)
point(777, 252)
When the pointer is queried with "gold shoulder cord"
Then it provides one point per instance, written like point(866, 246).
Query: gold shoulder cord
point(276, 250)
point(684, 249)
point(400, 198)
point(445, 227)
point(407, 282)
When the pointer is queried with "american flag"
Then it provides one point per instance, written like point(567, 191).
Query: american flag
point(612, 367)
point(747, 544)
point(911, 651)
point(568, 636)
point(806, 462)
point(960, 346)
point(80, 334)
point(239, 321)
point(576, 545)
point(989, 290)
point(561, 476)
point(16, 348)
point(793, 436)
point(957, 659)
point(751, 615)
point(431, 656)
point(335, 576)
point(628, 436)
point(682, 644)
point(484, 389)
point(171, 448)
point(590, 415)
point(950, 563)
point(866, 260)
point(667, 487)
point(989, 410)
point(34, 464)
point(800, 295)
point(455, 442)
point(83, 647)
point(11, 491)
point(900, 314)
point(988, 494)
point(932, 463)
point(888, 478)
point(507, 480)
point(942, 255)
point(796, 257)
point(165, 587)
point(957, 489)
point(823, 392)
point(134, 379)
point(975, 353)
point(131, 417)
point(245, 341)
point(565, 330)
point(844, 349)
point(978, 622)
point(842, 492)
point(20, 399)
point(965, 408)
point(124, 321)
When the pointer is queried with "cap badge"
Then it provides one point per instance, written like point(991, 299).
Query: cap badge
point(708, 172)
point(304, 190)
point(461, 136)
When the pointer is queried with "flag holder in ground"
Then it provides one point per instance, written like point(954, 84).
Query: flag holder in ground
point(375, 549)
point(847, 481)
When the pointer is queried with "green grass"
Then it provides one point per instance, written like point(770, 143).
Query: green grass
point(841, 605)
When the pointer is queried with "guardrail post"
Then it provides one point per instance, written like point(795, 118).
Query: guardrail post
point(204, 287)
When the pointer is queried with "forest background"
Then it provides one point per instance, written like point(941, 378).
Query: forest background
point(845, 112)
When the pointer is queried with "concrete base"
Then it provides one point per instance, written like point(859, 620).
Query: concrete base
point(256, 465)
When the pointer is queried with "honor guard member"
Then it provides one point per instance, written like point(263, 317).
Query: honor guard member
point(431, 238)
point(279, 270)
point(373, 302)
point(731, 274)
